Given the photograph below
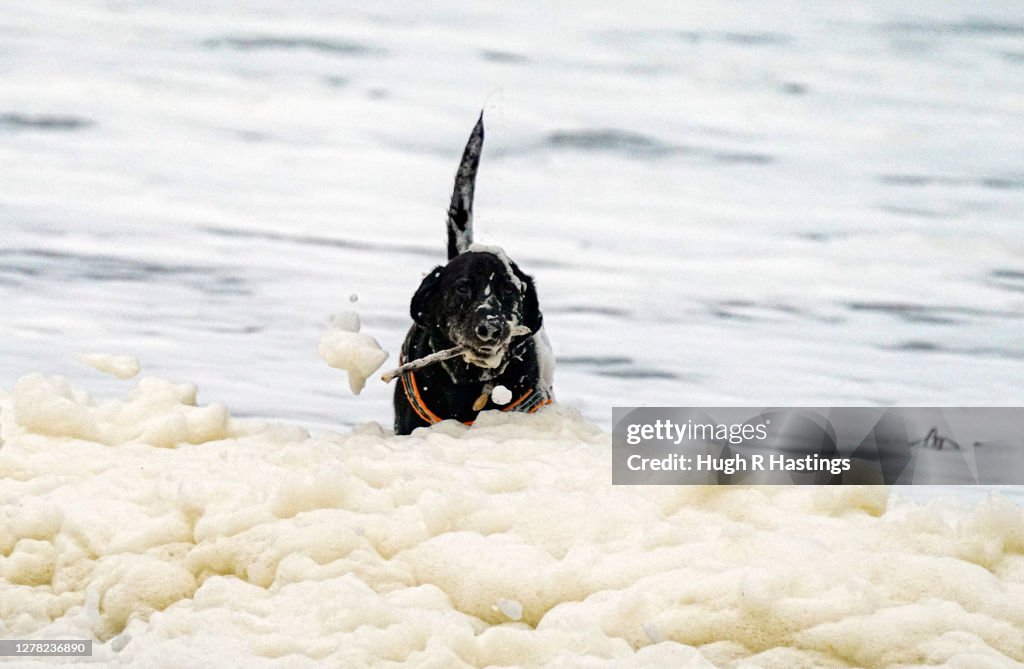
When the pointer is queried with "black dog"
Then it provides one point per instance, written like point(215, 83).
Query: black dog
point(482, 301)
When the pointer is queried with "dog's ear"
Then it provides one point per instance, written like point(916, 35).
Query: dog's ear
point(424, 301)
point(532, 318)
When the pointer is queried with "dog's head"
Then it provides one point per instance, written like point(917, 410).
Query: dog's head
point(480, 300)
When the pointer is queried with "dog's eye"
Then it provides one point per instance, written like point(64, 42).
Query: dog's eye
point(508, 290)
point(463, 287)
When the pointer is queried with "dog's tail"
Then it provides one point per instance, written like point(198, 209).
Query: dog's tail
point(460, 213)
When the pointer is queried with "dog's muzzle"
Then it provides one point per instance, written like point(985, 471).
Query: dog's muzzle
point(488, 342)
point(489, 330)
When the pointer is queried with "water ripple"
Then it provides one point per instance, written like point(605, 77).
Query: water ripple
point(57, 122)
point(275, 43)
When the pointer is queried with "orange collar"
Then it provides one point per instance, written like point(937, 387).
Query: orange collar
point(412, 393)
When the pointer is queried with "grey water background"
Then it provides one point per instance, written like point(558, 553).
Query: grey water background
point(723, 203)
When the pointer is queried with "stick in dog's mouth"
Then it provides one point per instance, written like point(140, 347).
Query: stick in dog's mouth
point(412, 365)
point(440, 356)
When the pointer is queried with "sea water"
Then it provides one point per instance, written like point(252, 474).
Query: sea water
point(721, 204)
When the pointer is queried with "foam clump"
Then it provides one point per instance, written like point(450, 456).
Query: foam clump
point(501, 395)
point(499, 544)
point(344, 347)
point(512, 609)
point(121, 366)
point(156, 412)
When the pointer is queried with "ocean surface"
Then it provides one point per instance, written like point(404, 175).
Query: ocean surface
point(721, 204)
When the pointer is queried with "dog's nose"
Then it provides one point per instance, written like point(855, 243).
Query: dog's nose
point(487, 330)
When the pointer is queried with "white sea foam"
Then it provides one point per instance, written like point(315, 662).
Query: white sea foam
point(121, 366)
point(501, 544)
point(510, 608)
point(344, 347)
point(501, 395)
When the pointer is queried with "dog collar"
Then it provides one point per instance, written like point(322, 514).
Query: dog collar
point(528, 402)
